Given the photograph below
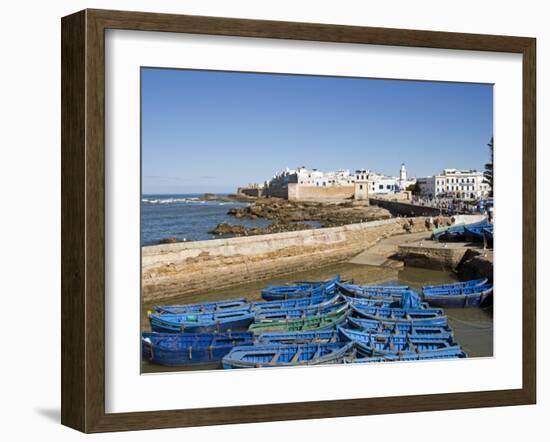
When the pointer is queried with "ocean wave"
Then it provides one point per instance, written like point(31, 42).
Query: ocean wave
point(182, 200)
point(171, 200)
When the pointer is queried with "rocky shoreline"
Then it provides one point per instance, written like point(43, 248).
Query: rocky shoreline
point(239, 230)
point(289, 216)
point(230, 198)
point(327, 214)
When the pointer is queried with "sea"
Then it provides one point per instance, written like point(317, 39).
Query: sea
point(186, 217)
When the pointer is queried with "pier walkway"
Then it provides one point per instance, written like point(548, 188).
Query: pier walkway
point(384, 253)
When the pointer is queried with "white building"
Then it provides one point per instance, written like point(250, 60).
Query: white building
point(374, 183)
point(380, 184)
point(312, 177)
point(461, 184)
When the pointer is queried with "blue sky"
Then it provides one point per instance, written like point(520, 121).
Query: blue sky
point(205, 131)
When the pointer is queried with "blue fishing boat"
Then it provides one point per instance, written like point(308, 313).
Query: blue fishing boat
point(406, 297)
point(373, 302)
point(456, 285)
point(321, 322)
point(352, 289)
point(452, 353)
point(332, 309)
point(207, 307)
point(458, 232)
point(429, 316)
point(201, 322)
point(284, 292)
point(190, 348)
point(285, 355)
point(381, 344)
point(460, 297)
point(399, 327)
point(309, 301)
point(404, 302)
point(307, 337)
point(458, 290)
point(474, 232)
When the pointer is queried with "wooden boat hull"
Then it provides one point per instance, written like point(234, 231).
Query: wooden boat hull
point(241, 304)
point(314, 323)
point(274, 355)
point(394, 316)
point(454, 353)
point(307, 337)
point(458, 232)
point(331, 308)
point(281, 293)
point(382, 344)
point(375, 289)
point(384, 302)
point(476, 299)
point(175, 349)
point(456, 285)
point(369, 326)
point(208, 307)
point(201, 323)
point(405, 298)
point(261, 306)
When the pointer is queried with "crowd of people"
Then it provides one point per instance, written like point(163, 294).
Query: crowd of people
point(451, 206)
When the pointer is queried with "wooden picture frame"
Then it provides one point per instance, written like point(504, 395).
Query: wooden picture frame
point(83, 220)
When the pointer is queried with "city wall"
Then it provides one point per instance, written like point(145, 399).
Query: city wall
point(297, 192)
point(171, 270)
point(397, 208)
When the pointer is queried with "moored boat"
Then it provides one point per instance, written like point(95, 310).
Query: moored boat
point(475, 232)
point(322, 322)
point(285, 355)
point(381, 344)
point(206, 307)
point(201, 322)
point(404, 302)
point(284, 292)
point(329, 309)
point(406, 297)
point(307, 337)
point(309, 301)
point(452, 353)
point(458, 232)
point(459, 298)
point(380, 289)
point(456, 285)
point(399, 327)
point(175, 349)
point(429, 316)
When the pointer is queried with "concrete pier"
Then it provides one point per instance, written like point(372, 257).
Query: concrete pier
point(455, 256)
point(172, 270)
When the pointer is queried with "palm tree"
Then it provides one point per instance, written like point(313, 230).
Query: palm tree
point(488, 173)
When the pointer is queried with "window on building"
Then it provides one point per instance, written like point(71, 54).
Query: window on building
point(381, 186)
point(361, 186)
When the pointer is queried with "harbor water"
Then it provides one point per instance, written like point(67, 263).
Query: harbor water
point(472, 327)
point(186, 217)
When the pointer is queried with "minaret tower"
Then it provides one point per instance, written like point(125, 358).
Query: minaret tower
point(403, 177)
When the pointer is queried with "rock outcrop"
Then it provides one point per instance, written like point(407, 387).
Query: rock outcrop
point(327, 214)
point(228, 230)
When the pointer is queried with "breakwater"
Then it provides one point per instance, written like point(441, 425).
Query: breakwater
point(172, 270)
